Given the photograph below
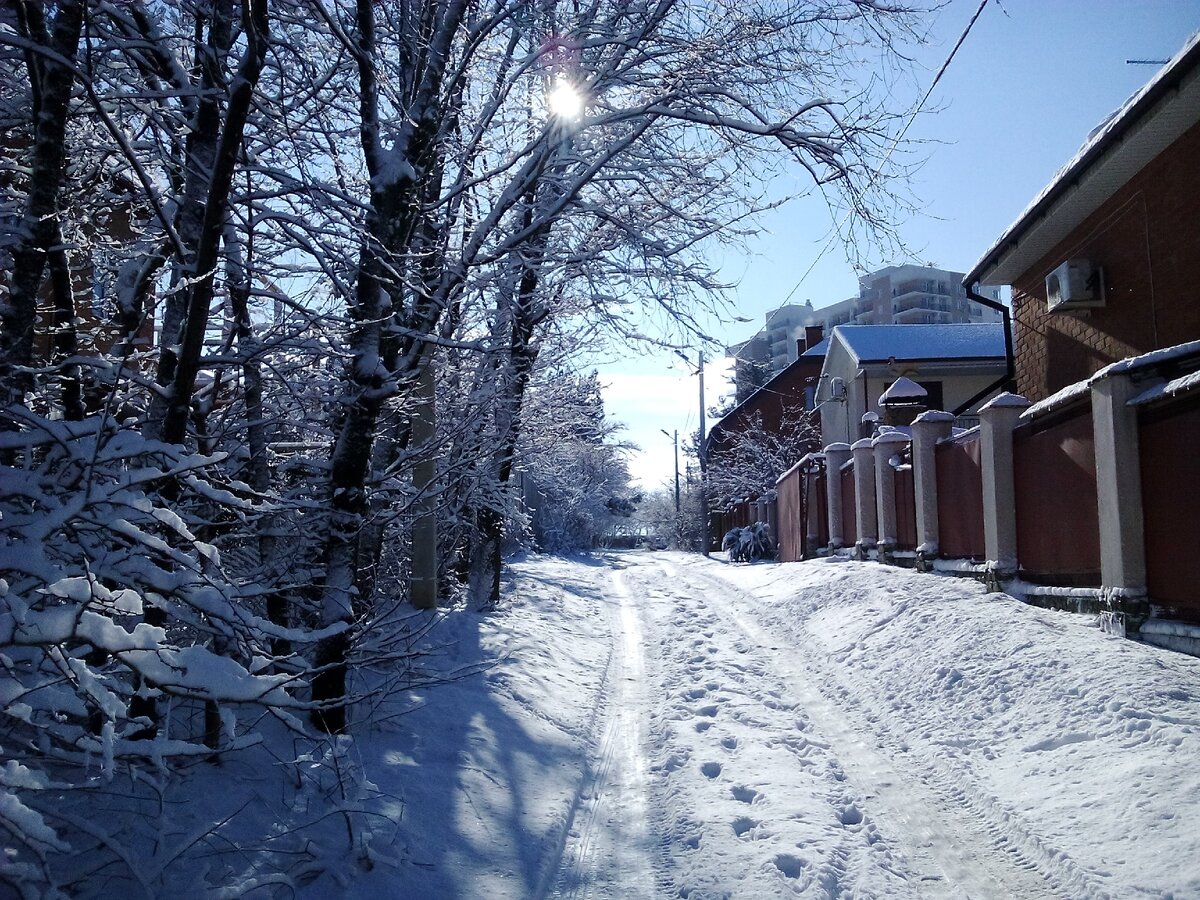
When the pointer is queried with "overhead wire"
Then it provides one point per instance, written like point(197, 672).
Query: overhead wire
point(837, 231)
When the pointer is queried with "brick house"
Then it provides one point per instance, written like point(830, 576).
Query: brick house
point(1104, 265)
point(1127, 207)
point(785, 403)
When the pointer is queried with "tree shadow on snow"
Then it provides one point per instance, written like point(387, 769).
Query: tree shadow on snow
point(471, 761)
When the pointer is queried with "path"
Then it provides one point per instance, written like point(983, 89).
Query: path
point(731, 766)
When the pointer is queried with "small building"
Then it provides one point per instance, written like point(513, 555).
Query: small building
point(958, 367)
point(792, 391)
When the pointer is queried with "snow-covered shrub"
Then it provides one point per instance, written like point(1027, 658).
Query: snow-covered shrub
point(122, 639)
point(754, 542)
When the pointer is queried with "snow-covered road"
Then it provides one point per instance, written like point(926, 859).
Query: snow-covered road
point(663, 725)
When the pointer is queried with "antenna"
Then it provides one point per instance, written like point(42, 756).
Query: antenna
point(1146, 62)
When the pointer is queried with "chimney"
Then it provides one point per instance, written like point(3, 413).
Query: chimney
point(800, 347)
point(813, 335)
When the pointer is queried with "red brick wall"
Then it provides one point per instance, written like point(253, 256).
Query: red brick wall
point(1147, 239)
point(786, 392)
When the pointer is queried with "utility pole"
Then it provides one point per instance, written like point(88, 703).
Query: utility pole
point(675, 439)
point(678, 523)
point(703, 466)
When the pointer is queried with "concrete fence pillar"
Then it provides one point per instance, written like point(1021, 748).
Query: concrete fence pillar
point(836, 456)
point(928, 428)
point(997, 419)
point(864, 494)
point(887, 445)
point(1119, 490)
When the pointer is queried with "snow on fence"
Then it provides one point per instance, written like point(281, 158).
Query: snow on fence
point(1095, 490)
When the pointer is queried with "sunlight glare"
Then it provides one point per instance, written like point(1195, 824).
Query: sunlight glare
point(565, 100)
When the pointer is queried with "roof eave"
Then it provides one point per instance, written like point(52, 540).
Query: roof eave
point(1124, 147)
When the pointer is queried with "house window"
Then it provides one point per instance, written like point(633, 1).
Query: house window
point(934, 391)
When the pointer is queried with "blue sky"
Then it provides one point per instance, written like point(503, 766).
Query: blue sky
point(1031, 80)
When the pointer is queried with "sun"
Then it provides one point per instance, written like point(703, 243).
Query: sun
point(565, 100)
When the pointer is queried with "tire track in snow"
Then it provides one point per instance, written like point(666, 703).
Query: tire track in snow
point(610, 850)
point(981, 848)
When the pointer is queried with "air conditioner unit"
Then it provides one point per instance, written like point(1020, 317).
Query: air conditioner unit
point(1075, 284)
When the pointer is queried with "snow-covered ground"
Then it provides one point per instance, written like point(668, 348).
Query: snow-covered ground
point(663, 725)
point(658, 724)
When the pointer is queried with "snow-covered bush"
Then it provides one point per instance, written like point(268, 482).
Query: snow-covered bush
point(749, 544)
point(122, 639)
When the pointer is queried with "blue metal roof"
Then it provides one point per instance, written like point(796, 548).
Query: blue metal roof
point(879, 343)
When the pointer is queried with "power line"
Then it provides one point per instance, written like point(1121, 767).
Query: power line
point(895, 142)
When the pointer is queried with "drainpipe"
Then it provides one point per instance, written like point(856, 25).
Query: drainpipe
point(1009, 381)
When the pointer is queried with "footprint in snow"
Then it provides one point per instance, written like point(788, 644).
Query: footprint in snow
point(711, 769)
point(851, 815)
point(743, 794)
point(703, 726)
point(709, 711)
point(729, 743)
point(742, 824)
point(790, 866)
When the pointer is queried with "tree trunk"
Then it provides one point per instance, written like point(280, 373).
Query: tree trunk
point(212, 161)
point(40, 232)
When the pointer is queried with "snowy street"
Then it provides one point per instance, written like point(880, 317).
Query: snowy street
point(662, 725)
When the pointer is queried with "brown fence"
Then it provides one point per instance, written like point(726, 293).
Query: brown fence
point(816, 507)
point(849, 519)
point(791, 525)
point(960, 498)
point(1171, 504)
point(1054, 468)
point(906, 510)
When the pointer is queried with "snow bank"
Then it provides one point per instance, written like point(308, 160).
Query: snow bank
point(1086, 744)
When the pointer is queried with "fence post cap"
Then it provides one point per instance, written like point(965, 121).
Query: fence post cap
point(1006, 400)
point(933, 415)
point(863, 444)
point(838, 448)
point(892, 437)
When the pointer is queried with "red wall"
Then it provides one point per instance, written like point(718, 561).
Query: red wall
point(1058, 532)
point(1147, 239)
point(960, 499)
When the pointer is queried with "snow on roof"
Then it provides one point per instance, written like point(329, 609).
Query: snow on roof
point(880, 343)
point(1117, 149)
point(818, 349)
point(903, 389)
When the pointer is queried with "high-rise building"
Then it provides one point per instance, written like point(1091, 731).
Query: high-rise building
point(908, 294)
